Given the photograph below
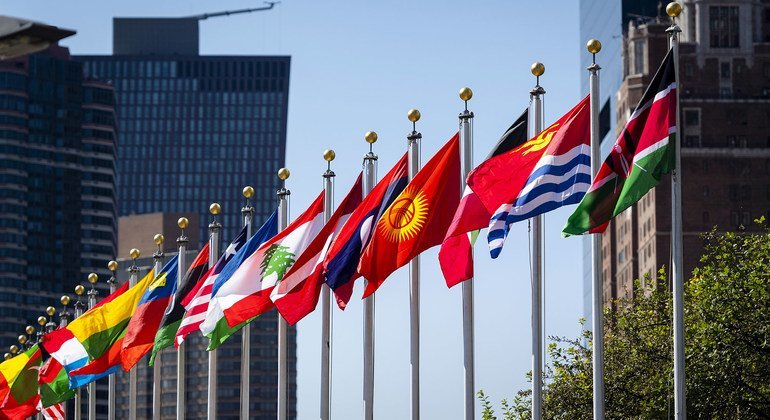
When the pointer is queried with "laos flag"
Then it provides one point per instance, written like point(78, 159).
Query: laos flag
point(342, 260)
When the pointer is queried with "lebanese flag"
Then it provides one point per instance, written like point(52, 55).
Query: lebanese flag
point(456, 253)
point(341, 262)
point(417, 220)
point(297, 294)
point(247, 293)
point(642, 154)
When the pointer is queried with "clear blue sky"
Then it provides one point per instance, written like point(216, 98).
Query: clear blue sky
point(358, 66)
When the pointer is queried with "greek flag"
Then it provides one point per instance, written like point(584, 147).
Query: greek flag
point(556, 180)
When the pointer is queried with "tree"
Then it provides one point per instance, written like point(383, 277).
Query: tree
point(276, 261)
point(727, 344)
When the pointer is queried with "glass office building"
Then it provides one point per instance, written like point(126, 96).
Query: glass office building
point(58, 217)
point(57, 195)
point(196, 129)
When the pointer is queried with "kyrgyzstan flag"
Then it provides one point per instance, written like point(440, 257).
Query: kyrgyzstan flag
point(297, 294)
point(417, 220)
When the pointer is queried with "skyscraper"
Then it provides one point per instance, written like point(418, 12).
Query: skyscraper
point(58, 217)
point(195, 130)
point(724, 110)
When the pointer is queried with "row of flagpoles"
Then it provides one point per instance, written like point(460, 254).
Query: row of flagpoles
point(399, 201)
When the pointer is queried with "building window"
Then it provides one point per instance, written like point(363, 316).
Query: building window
point(691, 141)
point(639, 57)
point(706, 217)
point(724, 26)
point(604, 119)
point(724, 70)
point(692, 117)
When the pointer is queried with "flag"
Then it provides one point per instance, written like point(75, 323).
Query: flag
point(90, 341)
point(71, 354)
point(175, 312)
point(247, 293)
point(417, 220)
point(456, 253)
point(297, 294)
point(19, 374)
point(341, 261)
point(197, 302)
point(215, 326)
point(144, 324)
point(640, 157)
point(549, 171)
point(54, 412)
point(53, 382)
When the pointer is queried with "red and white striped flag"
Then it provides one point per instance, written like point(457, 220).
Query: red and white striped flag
point(54, 412)
point(197, 301)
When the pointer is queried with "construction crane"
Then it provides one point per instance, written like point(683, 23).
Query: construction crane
point(270, 5)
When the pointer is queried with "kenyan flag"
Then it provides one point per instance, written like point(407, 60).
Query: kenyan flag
point(642, 154)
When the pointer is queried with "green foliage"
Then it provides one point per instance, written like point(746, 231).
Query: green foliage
point(277, 260)
point(727, 344)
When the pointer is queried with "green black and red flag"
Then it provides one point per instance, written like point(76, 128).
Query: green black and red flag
point(175, 311)
point(642, 154)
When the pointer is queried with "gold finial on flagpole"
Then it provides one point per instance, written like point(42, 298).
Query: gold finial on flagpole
point(466, 94)
point(673, 9)
point(283, 174)
point(370, 137)
point(593, 46)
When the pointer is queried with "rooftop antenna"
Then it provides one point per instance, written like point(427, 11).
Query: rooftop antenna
point(270, 5)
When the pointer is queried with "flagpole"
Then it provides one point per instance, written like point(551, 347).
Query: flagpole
point(466, 164)
point(49, 327)
point(181, 355)
point(79, 290)
point(413, 150)
point(283, 372)
point(248, 218)
point(535, 96)
point(92, 278)
point(326, 335)
point(370, 178)
point(113, 282)
point(64, 318)
point(133, 279)
point(156, 366)
point(597, 299)
point(214, 230)
point(677, 272)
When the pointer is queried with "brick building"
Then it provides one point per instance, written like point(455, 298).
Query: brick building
point(725, 122)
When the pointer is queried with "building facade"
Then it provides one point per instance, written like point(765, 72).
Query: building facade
point(58, 217)
point(196, 129)
point(725, 121)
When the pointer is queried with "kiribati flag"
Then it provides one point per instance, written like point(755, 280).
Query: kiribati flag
point(345, 252)
point(551, 170)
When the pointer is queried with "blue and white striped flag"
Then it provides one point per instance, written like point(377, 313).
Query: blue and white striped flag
point(557, 180)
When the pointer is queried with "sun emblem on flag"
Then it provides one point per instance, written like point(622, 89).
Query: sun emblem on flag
point(405, 217)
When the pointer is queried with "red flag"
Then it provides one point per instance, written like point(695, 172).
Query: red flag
point(297, 294)
point(417, 220)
